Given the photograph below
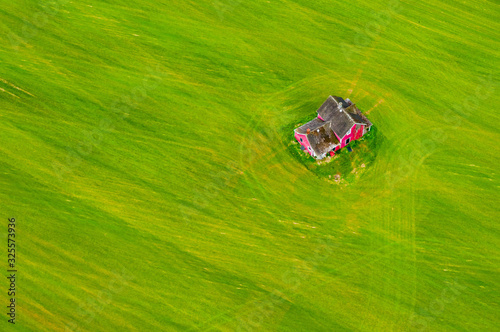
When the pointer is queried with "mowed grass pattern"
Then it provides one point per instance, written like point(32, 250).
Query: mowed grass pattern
point(185, 210)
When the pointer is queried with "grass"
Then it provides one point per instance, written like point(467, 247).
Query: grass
point(144, 154)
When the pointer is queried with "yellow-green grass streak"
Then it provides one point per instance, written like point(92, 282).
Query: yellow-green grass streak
point(145, 152)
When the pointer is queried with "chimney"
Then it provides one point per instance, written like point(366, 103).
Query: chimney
point(308, 130)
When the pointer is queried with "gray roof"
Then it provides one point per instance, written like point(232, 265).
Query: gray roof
point(333, 111)
point(322, 139)
point(341, 101)
point(357, 116)
point(313, 125)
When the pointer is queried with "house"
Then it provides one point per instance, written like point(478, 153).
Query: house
point(339, 122)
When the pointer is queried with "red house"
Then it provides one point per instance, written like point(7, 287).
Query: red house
point(339, 122)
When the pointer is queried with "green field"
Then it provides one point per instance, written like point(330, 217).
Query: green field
point(146, 153)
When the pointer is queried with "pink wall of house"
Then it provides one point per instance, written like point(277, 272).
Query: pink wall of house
point(304, 143)
point(359, 131)
point(350, 136)
point(355, 133)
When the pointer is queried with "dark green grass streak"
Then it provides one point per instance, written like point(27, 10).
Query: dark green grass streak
point(194, 196)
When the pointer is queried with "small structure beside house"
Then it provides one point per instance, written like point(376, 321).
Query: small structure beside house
point(339, 122)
